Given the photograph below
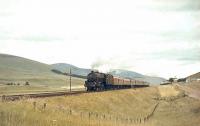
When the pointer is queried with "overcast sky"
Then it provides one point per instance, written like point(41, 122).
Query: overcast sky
point(153, 37)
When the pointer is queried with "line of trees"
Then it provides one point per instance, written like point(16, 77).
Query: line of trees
point(12, 83)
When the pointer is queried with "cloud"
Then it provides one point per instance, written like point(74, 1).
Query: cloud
point(149, 36)
point(192, 36)
point(4, 34)
point(38, 38)
point(161, 59)
point(185, 55)
point(10, 35)
point(5, 14)
point(176, 5)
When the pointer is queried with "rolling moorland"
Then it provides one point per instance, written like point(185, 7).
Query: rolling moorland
point(17, 70)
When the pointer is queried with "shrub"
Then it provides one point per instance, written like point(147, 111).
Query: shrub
point(27, 83)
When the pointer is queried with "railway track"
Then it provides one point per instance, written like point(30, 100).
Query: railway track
point(39, 95)
point(51, 94)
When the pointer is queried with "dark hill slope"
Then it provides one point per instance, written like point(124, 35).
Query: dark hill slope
point(19, 70)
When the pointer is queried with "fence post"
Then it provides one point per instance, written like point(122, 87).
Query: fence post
point(89, 114)
point(34, 105)
point(81, 115)
point(144, 119)
point(3, 118)
point(44, 106)
point(104, 116)
point(3, 98)
point(70, 112)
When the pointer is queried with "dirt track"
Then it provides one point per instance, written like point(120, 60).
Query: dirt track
point(191, 92)
point(168, 91)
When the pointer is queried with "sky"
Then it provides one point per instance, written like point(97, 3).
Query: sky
point(152, 37)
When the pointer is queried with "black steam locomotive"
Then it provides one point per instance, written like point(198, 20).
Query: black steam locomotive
point(97, 81)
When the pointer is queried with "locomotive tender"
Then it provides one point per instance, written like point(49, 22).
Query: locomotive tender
point(97, 81)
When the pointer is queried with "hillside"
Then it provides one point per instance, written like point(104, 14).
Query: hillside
point(193, 77)
point(137, 76)
point(14, 69)
point(196, 75)
point(64, 68)
point(126, 73)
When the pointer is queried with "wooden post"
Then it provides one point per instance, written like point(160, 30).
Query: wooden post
point(89, 115)
point(70, 112)
point(44, 106)
point(3, 98)
point(34, 105)
point(70, 80)
point(131, 83)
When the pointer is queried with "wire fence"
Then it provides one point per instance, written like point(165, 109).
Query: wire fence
point(102, 117)
point(84, 116)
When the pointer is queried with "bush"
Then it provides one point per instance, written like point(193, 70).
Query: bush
point(27, 83)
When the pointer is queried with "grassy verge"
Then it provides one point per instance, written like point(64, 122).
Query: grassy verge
point(38, 85)
point(111, 108)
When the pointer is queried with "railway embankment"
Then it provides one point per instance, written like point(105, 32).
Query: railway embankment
point(109, 108)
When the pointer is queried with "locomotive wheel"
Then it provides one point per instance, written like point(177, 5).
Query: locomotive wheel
point(88, 89)
point(98, 89)
point(102, 88)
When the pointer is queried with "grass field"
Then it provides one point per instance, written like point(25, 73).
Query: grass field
point(36, 85)
point(19, 70)
point(110, 108)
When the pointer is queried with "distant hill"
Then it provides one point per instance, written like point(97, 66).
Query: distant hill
point(126, 73)
point(15, 66)
point(64, 68)
point(196, 75)
point(137, 76)
point(19, 70)
point(193, 77)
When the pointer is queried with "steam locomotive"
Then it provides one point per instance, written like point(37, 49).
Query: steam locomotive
point(97, 81)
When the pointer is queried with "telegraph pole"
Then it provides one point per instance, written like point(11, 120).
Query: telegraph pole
point(70, 80)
